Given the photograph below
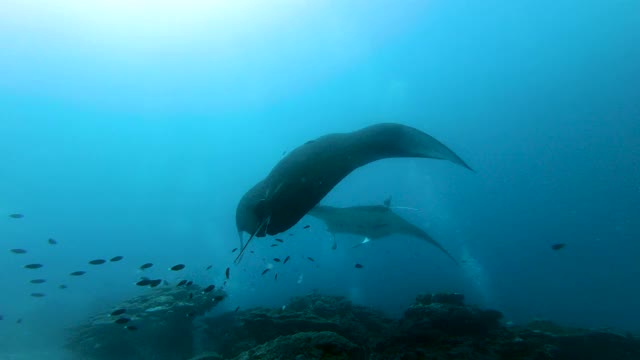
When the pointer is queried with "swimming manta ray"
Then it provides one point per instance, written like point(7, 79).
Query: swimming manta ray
point(305, 175)
point(370, 222)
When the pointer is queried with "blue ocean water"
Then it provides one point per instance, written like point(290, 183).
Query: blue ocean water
point(133, 128)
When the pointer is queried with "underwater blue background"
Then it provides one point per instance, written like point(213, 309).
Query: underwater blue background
point(134, 128)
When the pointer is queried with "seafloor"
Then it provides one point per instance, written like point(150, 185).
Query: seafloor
point(167, 324)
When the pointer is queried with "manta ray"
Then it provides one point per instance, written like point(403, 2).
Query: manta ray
point(370, 222)
point(305, 175)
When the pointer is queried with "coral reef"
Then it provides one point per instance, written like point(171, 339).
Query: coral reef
point(438, 326)
point(160, 326)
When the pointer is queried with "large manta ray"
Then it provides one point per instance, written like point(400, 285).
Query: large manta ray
point(371, 222)
point(302, 178)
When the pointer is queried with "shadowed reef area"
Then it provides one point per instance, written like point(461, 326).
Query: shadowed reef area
point(170, 326)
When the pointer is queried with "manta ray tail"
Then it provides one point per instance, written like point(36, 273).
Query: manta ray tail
point(430, 240)
point(239, 257)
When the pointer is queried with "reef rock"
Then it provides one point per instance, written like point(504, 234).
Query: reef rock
point(305, 346)
point(160, 326)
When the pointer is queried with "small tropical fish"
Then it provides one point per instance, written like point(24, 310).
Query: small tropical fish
point(118, 312)
point(97, 262)
point(280, 240)
point(558, 246)
point(78, 273)
point(131, 327)
point(226, 273)
point(52, 241)
point(208, 289)
point(286, 259)
point(38, 281)
point(177, 267)
point(116, 258)
point(122, 321)
point(38, 295)
point(234, 250)
point(276, 259)
point(16, 216)
point(144, 282)
point(33, 266)
point(265, 271)
point(189, 283)
point(306, 226)
point(209, 267)
point(18, 251)
point(274, 245)
point(275, 277)
point(359, 266)
point(310, 258)
point(146, 266)
point(62, 286)
point(155, 283)
point(182, 282)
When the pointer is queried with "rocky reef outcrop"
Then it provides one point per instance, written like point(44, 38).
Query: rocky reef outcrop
point(157, 325)
point(436, 326)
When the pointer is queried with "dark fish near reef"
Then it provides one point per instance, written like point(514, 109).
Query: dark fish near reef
point(190, 296)
point(144, 282)
point(558, 246)
point(265, 271)
point(276, 259)
point(33, 266)
point(118, 312)
point(38, 295)
point(208, 288)
point(146, 266)
point(218, 298)
point(310, 259)
point(286, 259)
point(19, 321)
point(38, 281)
point(237, 308)
point(18, 251)
point(16, 216)
point(191, 314)
point(177, 267)
point(122, 321)
point(275, 277)
point(307, 226)
point(116, 258)
point(371, 222)
point(154, 283)
point(274, 245)
point(52, 242)
point(234, 250)
point(97, 262)
point(182, 282)
point(131, 328)
point(209, 267)
point(63, 286)
point(302, 178)
point(279, 240)
point(359, 266)
point(189, 283)
point(226, 273)
point(78, 273)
